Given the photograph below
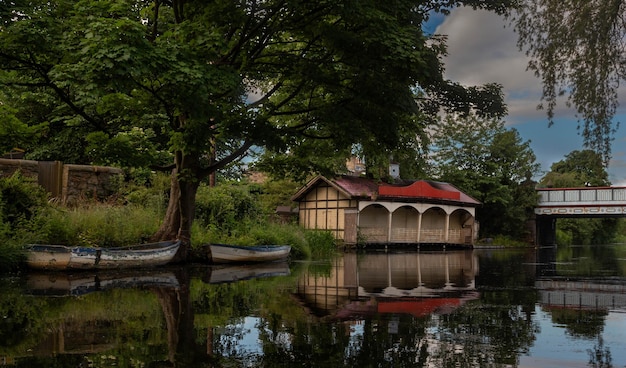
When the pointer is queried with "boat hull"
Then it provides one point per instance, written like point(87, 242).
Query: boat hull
point(48, 257)
point(223, 253)
point(58, 257)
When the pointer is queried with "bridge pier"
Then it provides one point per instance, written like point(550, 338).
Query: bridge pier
point(546, 230)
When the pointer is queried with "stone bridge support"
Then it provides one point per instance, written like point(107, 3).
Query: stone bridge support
point(546, 230)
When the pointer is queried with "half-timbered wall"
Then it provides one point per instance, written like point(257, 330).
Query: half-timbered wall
point(324, 208)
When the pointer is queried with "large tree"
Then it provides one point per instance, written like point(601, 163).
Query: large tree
point(577, 49)
point(579, 168)
point(207, 80)
point(491, 163)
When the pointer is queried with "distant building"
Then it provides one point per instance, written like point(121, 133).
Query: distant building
point(357, 209)
point(355, 166)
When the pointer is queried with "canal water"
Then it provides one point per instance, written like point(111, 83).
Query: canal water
point(545, 307)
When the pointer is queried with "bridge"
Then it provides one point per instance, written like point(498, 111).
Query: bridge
point(586, 202)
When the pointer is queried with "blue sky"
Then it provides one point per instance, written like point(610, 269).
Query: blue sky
point(482, 48)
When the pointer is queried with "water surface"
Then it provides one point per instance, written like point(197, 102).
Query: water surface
point(546, 307)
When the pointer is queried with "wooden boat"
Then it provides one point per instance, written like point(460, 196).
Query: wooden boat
point(59, 257)
point(224, 253)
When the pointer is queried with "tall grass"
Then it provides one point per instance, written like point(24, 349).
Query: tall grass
point(99, 225)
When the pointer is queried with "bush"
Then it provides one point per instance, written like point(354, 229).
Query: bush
point(21, 202)
point(321, 243)
point(226, 206)
point(152, 193)
point(21, 199)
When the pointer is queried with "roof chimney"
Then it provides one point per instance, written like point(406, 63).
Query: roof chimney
point(394, 171)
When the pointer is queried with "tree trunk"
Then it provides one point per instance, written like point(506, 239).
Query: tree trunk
point(171, 222)
point(181, 207)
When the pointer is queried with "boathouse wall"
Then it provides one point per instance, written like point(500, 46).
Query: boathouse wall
point(324, 207)
point(354, 215)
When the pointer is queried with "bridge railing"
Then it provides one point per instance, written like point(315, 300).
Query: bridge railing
point(581, 196)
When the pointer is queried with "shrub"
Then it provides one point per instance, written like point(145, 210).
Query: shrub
point(21, 199)
point(21, 202)
point(225, 206)
point(322, 243)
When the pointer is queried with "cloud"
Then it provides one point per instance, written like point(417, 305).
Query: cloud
point(482, 48)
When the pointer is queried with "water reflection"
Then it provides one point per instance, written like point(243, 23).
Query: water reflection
point(225, 273)
point(482, 308)
point(415, 283)
point(63, 284)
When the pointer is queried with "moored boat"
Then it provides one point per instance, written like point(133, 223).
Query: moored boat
point(59, 257)
point(225, 253)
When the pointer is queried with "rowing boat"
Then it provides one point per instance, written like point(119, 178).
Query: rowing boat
point(60, 257)
point(225, 253)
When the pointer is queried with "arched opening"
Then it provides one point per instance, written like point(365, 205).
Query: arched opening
point(373, 224)
point(460, 227)
point(404, 223)
point(433, 226)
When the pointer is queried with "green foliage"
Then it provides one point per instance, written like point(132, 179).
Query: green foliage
point(564, 237)
point(98, 225)
point(21, 199)
point(225, 206)
point(14, 133)
point(570, 60)
point(587, 231)
point(128, 149)
point(620, 235)
point(274, 193)
point(321, 243)
point(206, 81)
point(244, 215)
point(21, 203)
point(147, 189)
point(579, 168)
point(492, 164)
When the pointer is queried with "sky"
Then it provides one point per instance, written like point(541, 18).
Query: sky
point(482, 48)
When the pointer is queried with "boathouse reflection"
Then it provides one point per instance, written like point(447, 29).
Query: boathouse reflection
point(418, 283)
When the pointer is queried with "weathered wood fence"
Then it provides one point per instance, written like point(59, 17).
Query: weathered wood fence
point(68, 183)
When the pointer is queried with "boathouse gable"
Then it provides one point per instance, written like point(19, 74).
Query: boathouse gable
point(416, 212)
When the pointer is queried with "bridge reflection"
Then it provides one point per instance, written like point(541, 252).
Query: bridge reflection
point(416, 283)
point(582, 294)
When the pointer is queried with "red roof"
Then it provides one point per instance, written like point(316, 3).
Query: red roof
point(417, 189)
point(359, 187)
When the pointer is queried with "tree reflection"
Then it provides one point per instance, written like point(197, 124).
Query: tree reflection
point(397, 317)
point(600, 356)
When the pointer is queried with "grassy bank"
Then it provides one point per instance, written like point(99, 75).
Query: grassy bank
point(234, 213)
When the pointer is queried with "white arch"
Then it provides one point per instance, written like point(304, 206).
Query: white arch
point(385, 222)
point(420, 207)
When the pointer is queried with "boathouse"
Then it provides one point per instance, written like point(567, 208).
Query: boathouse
point(358, 209)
